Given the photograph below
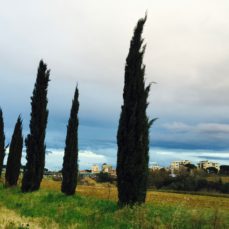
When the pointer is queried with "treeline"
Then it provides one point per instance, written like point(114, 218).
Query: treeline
point(132, 136)
point(185, 180)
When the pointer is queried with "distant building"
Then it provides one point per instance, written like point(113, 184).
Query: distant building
point(85, 173)
point(177, 165)
point(57, 177)
point(155, 166)
point(106, 168)
point(95, 169)
point(113, 173)
point(207, 164)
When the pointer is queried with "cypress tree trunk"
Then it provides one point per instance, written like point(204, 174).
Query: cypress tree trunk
point(14, 157)
point(70, 164)
point(2, 142)
point(133, 130)
point(35, 141)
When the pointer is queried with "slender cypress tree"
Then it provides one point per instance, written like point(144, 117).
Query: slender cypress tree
point(35, 141)
point(2, 142)
point(14, 157)
point(70, 163)
point(133, 130)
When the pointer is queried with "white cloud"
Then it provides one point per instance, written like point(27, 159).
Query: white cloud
point(87, 158)
point(187, 53)
point(177, 126)
point(208, 128)
point(213, 128)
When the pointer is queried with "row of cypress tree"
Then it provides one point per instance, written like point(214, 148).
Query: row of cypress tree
point(132, 135)
point(15, 151)
point(35, 142)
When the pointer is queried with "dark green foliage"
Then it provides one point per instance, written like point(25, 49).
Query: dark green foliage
point(190, 167)
point(14, 158)
point(104, 177)
point(133, 130)
point(225, 188)
point(35, 141)
point(212, 170)
point(185, 181)
point(159, 178)
point(2, 142)
point(224, 169)
point(70, 164)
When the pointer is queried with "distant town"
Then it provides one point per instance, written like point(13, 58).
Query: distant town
point(175, 166)
point(179, 165)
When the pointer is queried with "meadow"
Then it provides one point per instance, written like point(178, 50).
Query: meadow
point(96, 207)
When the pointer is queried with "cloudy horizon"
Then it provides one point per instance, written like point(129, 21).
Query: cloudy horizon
point(85, 42)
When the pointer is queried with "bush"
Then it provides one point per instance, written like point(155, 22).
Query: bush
point(185, 181)
point(159, 179)
point(225, 188)
point(87, 181)
point(104, 177)
point(224, 169)
point(212, 170)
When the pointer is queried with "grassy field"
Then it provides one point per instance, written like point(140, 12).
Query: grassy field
point(95, 207)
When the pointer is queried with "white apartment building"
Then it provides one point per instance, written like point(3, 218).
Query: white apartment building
point(206, 164)
point(176, 165)
point(95, 169)
point(155, 166)
point(106, 168)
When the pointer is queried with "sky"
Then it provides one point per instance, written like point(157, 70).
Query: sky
point(86, 42)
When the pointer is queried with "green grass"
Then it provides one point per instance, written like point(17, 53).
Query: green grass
point(78, 211)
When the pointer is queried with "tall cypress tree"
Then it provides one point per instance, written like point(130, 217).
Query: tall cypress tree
point(35, 141)
point(70, 163)
point(14, 157)
point(2, 142)
point(133, 130)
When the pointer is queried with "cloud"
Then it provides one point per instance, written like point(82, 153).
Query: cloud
point(86, 159)
point(54, 159)
point(195, 136)
point(217, 158)
point(208, 128)
point(187, 55)
point(177, 126)
point(213, 128)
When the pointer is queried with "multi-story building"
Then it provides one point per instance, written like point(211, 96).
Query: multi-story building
point(113, 173)
point(155, 166)
point(176, 165)
point(206, 164)
point(95, 169)
point(86, 173)
point(106, 168)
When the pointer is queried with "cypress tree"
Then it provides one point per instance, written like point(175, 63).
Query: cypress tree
point(15, 153)
point(35, 141)
point(133, 130)
point(2, 142)
point(70, 163)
